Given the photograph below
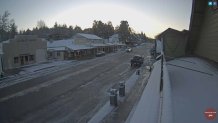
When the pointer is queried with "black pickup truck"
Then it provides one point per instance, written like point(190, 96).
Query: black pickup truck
point(137, 61)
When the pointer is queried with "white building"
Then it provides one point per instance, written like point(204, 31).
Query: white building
point(67, 49)
point(114, 38)
point(23, 50)
point(95, 41)
point(87, 39)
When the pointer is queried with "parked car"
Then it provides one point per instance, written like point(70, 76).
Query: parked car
point(137, 61)
point(100, 53)
point(128, 49)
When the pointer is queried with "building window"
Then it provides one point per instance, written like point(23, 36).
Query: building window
point(31, 57)
point(26, 58)
point(16, 60)
point(58, 53)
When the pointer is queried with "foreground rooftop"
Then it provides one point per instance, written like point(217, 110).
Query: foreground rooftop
point(190, 87)
point(194, 85)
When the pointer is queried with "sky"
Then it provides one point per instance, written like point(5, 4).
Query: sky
point(150, 16)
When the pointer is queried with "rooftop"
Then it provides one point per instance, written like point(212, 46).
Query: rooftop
point(90, 36)
point(194, 85)
point(190, 87)
point(60, 45)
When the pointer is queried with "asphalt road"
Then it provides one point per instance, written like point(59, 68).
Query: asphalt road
point(70, 95)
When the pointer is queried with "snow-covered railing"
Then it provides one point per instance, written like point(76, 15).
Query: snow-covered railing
point(167, 115)
point(147, 110)
point(155, 105)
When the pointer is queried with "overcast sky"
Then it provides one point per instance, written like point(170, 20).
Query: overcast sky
point(149, 16)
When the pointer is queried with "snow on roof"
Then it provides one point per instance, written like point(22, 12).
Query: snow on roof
point(114, 35)
point(79, 47)
point(90, 36)
point(56, 48)
point(63, 44)
point(7, 41)
point(111, 44)
point(119, 44)
point(60, 43)
point(194, 85)
point(99, 45)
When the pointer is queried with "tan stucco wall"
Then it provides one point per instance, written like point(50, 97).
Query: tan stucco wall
point(207, 45)
point(15, 48)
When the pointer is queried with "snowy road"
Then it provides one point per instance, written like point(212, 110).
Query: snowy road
point(71, 94)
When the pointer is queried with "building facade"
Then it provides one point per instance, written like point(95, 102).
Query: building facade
point(203, 38)
point(174, 42)
point(67, 49)
point(23, 50)
point(87, 39)
point(82, 46)
point(94, 41)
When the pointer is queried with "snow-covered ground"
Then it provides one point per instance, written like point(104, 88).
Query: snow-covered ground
point(107, 108)
point(36, 70)
point(147, 109)
point(32, 71)
point(40, 67)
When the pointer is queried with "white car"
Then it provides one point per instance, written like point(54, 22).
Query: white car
point(129, 50)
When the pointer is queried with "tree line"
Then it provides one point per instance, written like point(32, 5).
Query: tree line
point(62, 31)
point(8, 29)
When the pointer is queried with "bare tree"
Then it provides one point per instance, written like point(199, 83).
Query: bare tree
point(4, 22)
point(41, 24)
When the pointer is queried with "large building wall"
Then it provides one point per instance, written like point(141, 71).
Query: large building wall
point(207, 44)
point(174, 44)
point(17, 48)
point(81, 40)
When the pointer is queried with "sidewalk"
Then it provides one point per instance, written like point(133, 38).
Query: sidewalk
point(134, 87)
